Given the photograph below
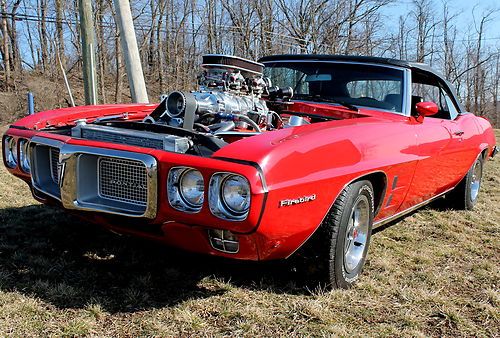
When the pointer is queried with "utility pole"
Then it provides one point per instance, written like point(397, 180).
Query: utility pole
point(88, 51)
point(131, 52)
point(6, 51)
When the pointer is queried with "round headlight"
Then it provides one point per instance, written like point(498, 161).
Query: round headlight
point(236, 194)
point(24, 158)
point(10, 151)
point(191, 187)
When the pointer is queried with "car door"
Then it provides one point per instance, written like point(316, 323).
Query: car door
point(439, 142)
point(462, 150)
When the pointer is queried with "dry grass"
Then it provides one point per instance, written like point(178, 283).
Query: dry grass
point(436, 273)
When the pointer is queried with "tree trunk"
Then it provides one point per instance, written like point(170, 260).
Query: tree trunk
point(16, 55)
point(60, 31)
point(102, 52)
point(159, 39)
point(119, 70)
point(43, 34)
point(6, 52)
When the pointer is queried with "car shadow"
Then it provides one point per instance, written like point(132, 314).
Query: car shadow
point(63, 260)
point(440, 204)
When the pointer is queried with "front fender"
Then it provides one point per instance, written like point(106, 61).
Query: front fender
point(319, 160)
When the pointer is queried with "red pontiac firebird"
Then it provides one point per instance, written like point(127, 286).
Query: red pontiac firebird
point(294, 154)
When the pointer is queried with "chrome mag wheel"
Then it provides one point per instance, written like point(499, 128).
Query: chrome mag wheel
point(357, 234)
point(475, 182)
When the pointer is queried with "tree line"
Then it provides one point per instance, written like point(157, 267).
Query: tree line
point(43, 36)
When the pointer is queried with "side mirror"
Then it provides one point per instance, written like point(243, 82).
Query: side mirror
point(426, 108)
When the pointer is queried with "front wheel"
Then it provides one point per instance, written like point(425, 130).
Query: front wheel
point(336, 253)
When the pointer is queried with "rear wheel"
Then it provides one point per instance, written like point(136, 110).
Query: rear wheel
point(465, 194)
point(336, 253)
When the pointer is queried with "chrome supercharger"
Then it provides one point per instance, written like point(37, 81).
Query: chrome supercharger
point(230, 88)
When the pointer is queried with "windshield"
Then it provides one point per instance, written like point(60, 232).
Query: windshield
point(343, 83)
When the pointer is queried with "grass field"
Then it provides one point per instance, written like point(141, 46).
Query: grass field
point(435, 273)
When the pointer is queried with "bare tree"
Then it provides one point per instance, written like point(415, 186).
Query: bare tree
point(173, 34)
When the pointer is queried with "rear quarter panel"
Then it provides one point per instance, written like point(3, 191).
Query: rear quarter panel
point(487, 134)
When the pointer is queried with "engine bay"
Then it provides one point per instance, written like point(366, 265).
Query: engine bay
point(234, 101)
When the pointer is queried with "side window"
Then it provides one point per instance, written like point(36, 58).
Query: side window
point(433, 92)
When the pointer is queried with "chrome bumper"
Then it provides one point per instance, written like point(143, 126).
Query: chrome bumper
point(95, 179)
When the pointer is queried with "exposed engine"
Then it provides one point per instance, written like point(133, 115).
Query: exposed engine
point(229, 98)
point(231, 102)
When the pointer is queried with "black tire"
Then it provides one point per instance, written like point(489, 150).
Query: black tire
point(465, 194)
point(323, 258)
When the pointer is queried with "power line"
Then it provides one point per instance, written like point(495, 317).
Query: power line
point(142, 27)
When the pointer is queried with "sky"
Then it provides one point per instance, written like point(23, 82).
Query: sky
point(467, 9)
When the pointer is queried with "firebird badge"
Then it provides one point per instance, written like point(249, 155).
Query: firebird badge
point(299, 200)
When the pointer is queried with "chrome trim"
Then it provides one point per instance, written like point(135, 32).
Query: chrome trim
point(24, 160)
point(223, 241)
point(215, 203)
point(409, 210)
point(11, 156)
point(406, 108)
point(41, 141)
point(138, 138)
point(47, 141)
point(72, 199)
point(69, 159)
point(171, 199)
point(406, 79)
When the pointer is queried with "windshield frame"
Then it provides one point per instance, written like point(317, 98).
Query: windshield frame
point(405, 111)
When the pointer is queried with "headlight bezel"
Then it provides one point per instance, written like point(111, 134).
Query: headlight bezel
point(10, 152)
point(176, 197)
point(24, 155)
point(224, 198)
point(217, 202)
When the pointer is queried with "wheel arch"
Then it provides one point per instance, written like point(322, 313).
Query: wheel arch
point(485, 152)
point(378, 179)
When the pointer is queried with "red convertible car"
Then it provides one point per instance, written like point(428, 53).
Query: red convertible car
point(293, 155)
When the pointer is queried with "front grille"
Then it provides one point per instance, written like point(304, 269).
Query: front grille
point(54, 163)
point(123, 180)
point(95, 179)
point(113, 137)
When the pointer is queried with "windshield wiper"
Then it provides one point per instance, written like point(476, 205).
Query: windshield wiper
point(319, 98)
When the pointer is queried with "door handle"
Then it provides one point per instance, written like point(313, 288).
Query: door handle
point(459, 132)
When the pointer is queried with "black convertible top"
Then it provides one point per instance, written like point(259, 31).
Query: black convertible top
point(350, 58)
point(353, 58)
point(421, 67)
